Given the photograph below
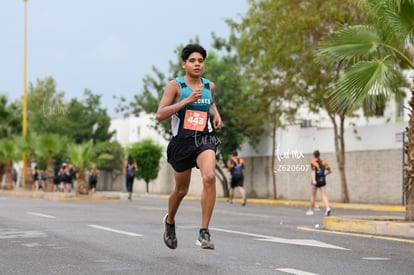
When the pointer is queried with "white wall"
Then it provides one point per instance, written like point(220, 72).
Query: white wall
point(306, 140)
point(374, 163)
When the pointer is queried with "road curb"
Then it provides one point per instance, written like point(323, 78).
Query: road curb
point(373, 225)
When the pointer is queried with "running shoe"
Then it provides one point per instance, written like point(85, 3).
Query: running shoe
point(170, 239)
point(328, 212)
point(204, 239)
point(244, 202)
point(309, 212)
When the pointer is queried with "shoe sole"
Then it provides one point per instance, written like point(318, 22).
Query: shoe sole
point(210, 246)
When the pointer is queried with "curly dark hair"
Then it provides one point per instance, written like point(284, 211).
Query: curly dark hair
point(192, 48)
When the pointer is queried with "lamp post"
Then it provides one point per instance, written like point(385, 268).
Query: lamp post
point(24, 130)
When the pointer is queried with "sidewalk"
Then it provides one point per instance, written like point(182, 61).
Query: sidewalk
point(388, 226)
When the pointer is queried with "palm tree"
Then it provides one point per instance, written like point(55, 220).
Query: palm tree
point(8, 154)
point(27, 145)
point(378, 52)
point(80, 155)
point(47, 147)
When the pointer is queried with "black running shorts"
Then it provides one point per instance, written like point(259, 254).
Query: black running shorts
point(319, 184)
point(235, 182)
point(182, 152)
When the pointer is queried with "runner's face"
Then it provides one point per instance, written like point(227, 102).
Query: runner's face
point(194, 65)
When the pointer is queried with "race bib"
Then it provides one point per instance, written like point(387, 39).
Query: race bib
point(195, 120)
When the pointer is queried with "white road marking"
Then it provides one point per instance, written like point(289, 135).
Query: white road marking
point(41, 215)
point(153, 208)
point(115, 230)
point(376, 259)
point(31, 244)
point(313, 243)
point(259, 237)
point(294, 271)
point(245, 214)
point(12, 234)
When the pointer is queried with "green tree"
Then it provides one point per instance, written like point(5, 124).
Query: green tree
point(279, 42)
point(147, 155)
point(108, 156)
point(87, 120)
point(235, 101)
point(80, 156)
point(45, 107)
point(377, 51)
point(8, 154)
point(27, 146)
point(11, 121)
point(79, 120)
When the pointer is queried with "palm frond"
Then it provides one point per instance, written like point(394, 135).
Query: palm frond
point(396, 18)
point(26, 144)
point(8, 151)
point(364, 78)
point(352, 43)
point(48, 145)
point(80, 155)
point(397, 4)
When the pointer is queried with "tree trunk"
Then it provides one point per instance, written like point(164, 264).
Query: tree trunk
point(9, 180)
point(28, 184)
point(2, 171)
point(82, 185)
point(409, 165)
point(50, 175)
point(273, 162)
point(340, 154)
point(113, 176)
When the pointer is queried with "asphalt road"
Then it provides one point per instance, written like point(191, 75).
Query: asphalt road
point(125, 237)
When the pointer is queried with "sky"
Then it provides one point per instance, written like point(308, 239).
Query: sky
point(106, 46)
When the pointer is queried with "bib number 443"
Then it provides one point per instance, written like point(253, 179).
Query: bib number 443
point(195, 120)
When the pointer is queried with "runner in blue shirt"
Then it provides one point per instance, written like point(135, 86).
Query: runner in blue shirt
point(189, 101)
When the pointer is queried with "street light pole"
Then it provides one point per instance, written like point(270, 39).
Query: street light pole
point(24, 159)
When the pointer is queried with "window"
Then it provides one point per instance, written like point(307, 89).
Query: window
point(306, 123)
point(374, 105)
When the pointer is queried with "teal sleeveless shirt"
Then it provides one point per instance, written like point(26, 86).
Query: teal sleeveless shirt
point(201, 105)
